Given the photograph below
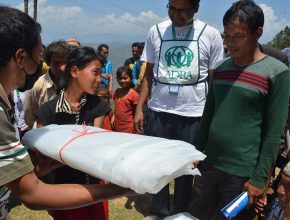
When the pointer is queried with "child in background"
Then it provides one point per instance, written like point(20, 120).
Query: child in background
point(125, 99)
point(104, 93)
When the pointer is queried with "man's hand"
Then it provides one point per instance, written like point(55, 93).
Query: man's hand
point(138, 121)
point(196, 163)
point(260, 204)
point(254, 192)
point(42, 164)
point(106, 76)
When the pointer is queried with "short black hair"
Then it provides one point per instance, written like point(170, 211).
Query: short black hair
point(135, 44)
point(192, 1)
point(248, 12)
point(100, 47)
point(17, 30)
point(123, 69)
point(57, 48)
point(141, 45)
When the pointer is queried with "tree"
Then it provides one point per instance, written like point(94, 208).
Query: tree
point(281, 40)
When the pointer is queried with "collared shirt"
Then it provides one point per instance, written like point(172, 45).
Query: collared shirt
point(14, 159)
point(43, 90)
point(63, 106)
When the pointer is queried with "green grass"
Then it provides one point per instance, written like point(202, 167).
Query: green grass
point(120, 209)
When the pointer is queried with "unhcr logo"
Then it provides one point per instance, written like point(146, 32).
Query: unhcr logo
point(179, 56)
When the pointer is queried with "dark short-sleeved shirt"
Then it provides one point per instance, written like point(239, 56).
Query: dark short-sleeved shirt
point(47, 114)
point(129, 61)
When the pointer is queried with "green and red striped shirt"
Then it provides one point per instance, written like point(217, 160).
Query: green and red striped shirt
point(244, 117)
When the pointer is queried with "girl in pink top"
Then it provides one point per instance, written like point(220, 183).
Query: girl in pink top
point(125, 99)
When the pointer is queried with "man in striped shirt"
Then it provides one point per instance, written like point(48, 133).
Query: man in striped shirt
point(243, 119)
point(20, 53)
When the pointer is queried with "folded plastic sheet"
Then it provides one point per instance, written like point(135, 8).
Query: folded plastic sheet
point(142, 163)
point(181, 216)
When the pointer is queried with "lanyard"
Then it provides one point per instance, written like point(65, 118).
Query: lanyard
point(186, 36)
point(17, 94)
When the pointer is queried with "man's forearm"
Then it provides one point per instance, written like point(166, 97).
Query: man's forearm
point(37, 195)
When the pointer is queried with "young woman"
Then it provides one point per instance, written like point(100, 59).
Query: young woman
point(125, 99)
point(77, 104)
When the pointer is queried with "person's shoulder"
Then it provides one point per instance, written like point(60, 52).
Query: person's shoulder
point(51, 104)
point(162, 25)
point(274, 66)
point(276, 53)
point(38, 85)
point(128, 61)
point(201, 24)
point(97, 102)
point(222, 64)
point(133, 92)
point(2, 110)
point(93, 100)
point(208, 31)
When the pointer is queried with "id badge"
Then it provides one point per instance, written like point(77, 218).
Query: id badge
point(173, 89)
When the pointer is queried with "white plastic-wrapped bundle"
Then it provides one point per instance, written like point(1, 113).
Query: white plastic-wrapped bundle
point(181, 216)
point(142, 163)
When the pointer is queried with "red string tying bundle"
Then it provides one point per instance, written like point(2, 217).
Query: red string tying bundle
point(82, 133)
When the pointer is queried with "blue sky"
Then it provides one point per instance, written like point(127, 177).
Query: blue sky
point(94, 21)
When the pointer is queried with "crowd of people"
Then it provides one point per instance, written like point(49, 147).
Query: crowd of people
point(227, 95)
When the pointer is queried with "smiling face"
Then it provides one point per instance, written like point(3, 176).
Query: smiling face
point(88, 78)
point(181, 12)
point(124, 80)
point(240, 41)
point(135, 53)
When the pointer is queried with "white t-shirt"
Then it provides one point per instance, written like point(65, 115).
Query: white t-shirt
point(190, 99)
point(19, 112)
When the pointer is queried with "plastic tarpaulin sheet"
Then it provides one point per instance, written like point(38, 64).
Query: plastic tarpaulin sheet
point(142, 163)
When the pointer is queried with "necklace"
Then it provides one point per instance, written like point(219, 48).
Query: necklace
point(74, 107)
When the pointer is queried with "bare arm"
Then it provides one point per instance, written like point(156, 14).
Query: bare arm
point(144, 94)
point(37, 195)
point(98, 122)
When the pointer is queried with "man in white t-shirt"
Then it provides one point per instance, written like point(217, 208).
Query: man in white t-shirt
point(180, 53)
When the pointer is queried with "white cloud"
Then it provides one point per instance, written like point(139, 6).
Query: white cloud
point(272, 24)
point(62, 22)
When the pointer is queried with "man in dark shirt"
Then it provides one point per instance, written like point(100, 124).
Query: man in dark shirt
point(135, 56)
